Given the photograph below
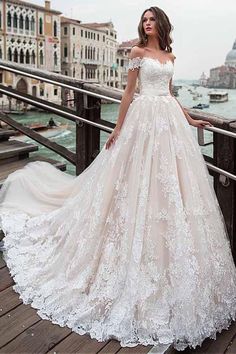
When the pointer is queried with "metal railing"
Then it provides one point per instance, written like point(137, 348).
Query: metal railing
point(87, 118)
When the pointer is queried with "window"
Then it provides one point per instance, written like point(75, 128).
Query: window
point(73, 72)
point(33, 57)
point(41, 57)
point(55, 59)
point(85, 34)
point(73, 51)
point(122, 62)
point(0, 19)
point(9, 57)
point(89, 35)
point(15, 56)
point(41, 26)
point(27, 22)
point(82, 73)
point(32, 24)
point(21, 22)
point(66, 72)
point(9, 19)
point(0, 53)
point(27, 57)
point(82, 33)
point(65, 31)
point(55, 91)
point(21, 56)
point(41, 91)
point(65, 51)
point(103, 39)
point(34, 91)
point(73, 31)
point(15, 20)
point(55, 28)
point(98, 37)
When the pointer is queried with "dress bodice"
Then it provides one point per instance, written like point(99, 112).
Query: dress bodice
point(154, 76)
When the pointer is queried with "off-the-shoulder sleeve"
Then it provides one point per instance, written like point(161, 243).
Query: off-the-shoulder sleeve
point(135, 63)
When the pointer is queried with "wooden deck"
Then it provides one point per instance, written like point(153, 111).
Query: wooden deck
point(23, 331)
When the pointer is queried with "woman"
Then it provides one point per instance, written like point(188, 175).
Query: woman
point(135, 248)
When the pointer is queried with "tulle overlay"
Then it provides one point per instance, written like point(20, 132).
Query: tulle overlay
point(135, 248)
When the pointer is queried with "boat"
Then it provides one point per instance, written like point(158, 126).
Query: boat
point(201, 106)
point(19, 113)
point(196, 95)
point(218, 96)
point(45, 130)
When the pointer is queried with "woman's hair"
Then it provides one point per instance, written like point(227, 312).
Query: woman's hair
point(163, 26)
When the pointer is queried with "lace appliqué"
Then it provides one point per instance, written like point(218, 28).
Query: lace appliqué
point(135, 63)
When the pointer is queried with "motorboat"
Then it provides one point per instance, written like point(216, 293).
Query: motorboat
point(201, 106)
point(218, 96)
point(46, 130)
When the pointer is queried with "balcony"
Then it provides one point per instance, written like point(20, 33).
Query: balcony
point(91, 61)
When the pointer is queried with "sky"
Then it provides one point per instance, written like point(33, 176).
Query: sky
point(204, 30)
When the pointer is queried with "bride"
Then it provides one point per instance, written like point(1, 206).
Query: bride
point(135, 248)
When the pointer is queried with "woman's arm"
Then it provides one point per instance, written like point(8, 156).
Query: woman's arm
point(127, 97)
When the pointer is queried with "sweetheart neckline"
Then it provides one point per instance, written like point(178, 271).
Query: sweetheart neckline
point(156, 59)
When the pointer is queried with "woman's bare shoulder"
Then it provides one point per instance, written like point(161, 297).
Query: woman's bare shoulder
point(172, 56)
point(136, 52)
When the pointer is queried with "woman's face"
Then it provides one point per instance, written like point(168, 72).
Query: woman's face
point(149, 24)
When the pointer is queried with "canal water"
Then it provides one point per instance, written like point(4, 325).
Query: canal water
point(110, 112)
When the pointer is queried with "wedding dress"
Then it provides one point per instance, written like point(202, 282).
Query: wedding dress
point(134, 248)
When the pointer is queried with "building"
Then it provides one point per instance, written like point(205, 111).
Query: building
point(224, 76)
point(89, 51)
point(30, 35)
point(203, 80)
point(230, 59)
point(81, 50)
point(122, 61)
point(108, 68)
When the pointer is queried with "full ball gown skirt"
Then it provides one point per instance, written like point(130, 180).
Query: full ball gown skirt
point(134, 248)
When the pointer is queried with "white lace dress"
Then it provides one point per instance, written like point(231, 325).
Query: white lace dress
point(134, 248)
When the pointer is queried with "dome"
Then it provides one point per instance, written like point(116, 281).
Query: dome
point(231, 56)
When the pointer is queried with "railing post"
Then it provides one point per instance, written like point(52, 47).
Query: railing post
point(87, 137)
point(225, 157)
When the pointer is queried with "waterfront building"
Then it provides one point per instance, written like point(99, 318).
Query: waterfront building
point(89, 51)
point(230, 59)
point(122, 61)
point(203, 80)
point(108, 69)
point(30, 35)
point(224, 76)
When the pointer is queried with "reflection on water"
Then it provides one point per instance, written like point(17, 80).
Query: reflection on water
point(110, 112)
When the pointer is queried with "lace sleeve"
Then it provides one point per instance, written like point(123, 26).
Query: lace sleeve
point(134, 63)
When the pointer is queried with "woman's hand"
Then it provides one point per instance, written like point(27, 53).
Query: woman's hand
point(200, 123)
point(112, 137)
